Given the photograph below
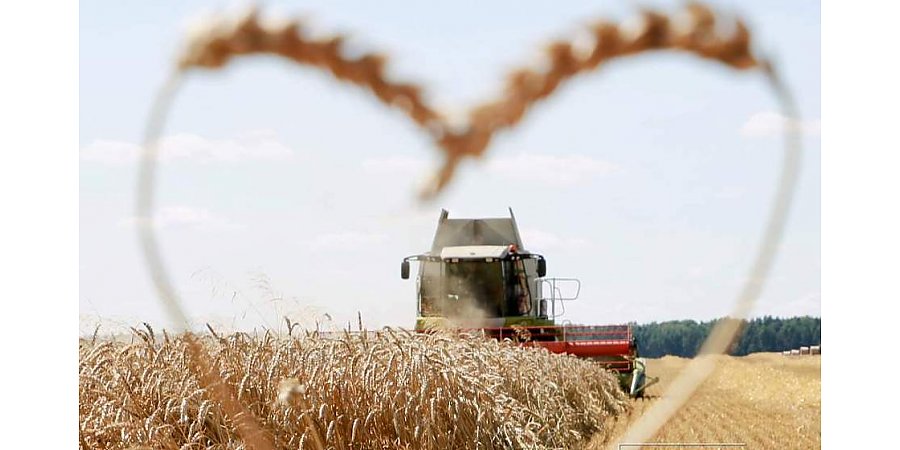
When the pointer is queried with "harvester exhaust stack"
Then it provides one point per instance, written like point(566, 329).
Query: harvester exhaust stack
point(478, 277)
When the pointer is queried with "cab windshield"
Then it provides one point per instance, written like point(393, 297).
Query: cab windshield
point(475, 288)
point(475, 283)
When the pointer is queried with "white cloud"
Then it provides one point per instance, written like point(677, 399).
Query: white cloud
point(730, 193)
point(253, 145)
point(110, 152)
point(550, 169)
point(395, 165)
point(345, 240)
point(539, 240)
point(697, 272)
point(770, 124)
point(199, 219)
point(407, 216)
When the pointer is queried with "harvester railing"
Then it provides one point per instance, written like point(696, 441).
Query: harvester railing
point(555, 287)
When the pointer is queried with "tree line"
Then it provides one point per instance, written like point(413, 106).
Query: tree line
point(764, 334)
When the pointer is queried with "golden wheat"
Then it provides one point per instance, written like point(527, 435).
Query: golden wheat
point(376, 390)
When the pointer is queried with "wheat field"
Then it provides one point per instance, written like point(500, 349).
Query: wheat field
point(394, 389)
point(391, 389)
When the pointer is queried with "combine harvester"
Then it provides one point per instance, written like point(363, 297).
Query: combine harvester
point(478, 277)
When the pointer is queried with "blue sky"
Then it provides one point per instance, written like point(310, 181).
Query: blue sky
point(284, 192)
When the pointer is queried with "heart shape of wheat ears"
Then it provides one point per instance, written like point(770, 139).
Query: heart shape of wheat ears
point(694, 29)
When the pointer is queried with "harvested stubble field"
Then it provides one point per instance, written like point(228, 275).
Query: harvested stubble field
point(764, 400)
point(395, 390)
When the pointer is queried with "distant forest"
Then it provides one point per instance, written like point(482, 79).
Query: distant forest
point(765, 334)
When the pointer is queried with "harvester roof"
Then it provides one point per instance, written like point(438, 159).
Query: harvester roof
point(493, 232)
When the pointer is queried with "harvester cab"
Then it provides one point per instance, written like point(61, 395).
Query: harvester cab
point(478, 277)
